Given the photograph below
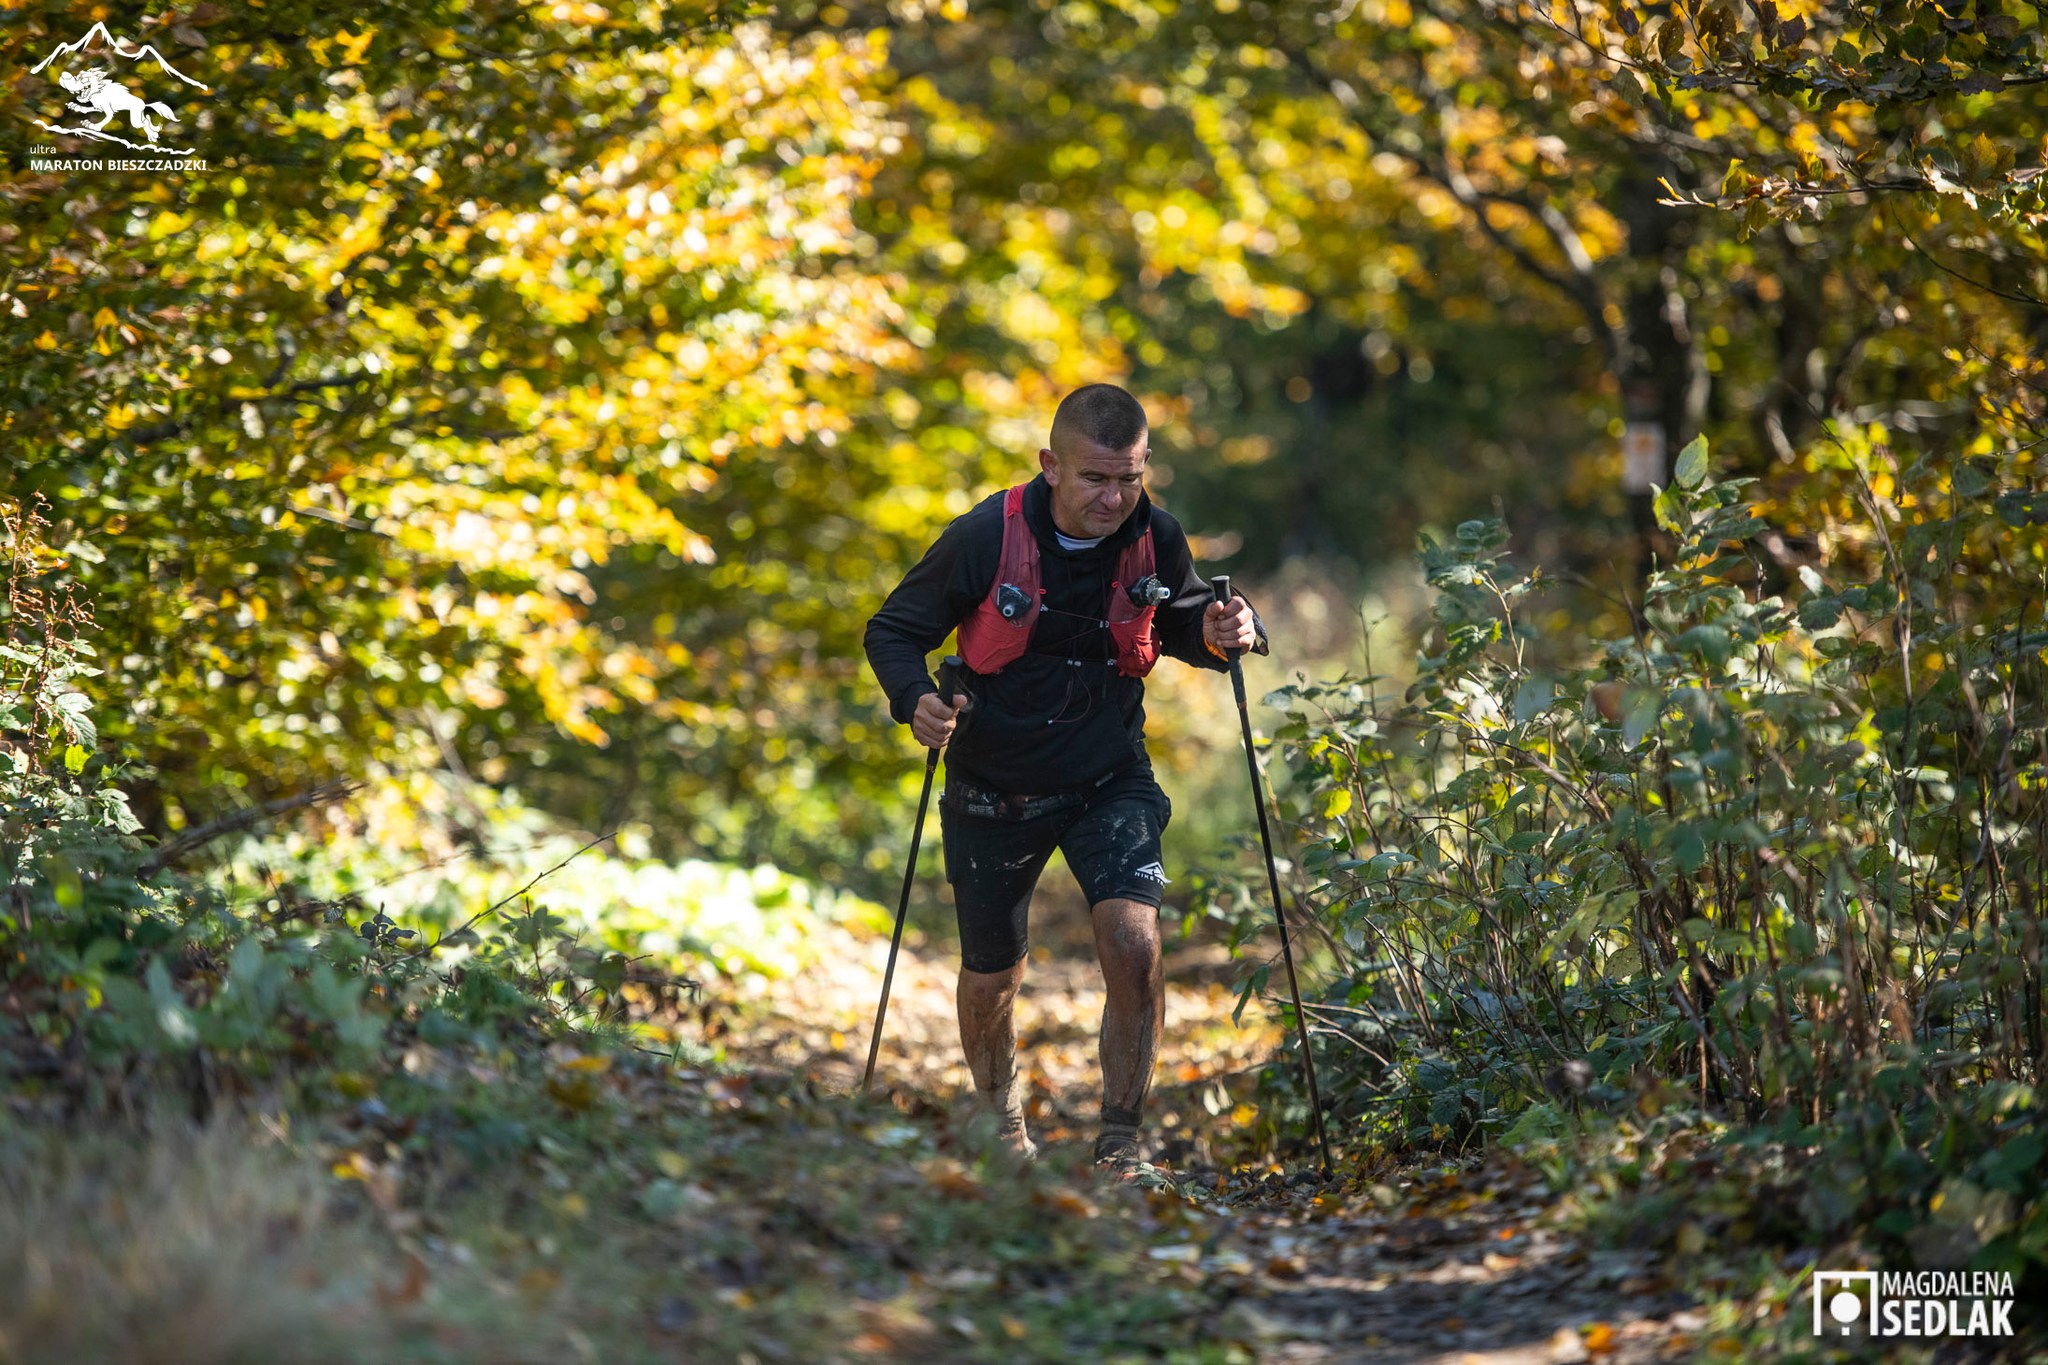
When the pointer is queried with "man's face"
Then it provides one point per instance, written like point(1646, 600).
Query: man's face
point(1093, 487)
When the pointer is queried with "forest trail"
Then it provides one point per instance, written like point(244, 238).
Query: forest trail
point(1451, 1262)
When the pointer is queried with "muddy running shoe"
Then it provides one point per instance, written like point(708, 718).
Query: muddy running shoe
point(1118, 1163)
point(1114, 1148)
point(1116, 1157)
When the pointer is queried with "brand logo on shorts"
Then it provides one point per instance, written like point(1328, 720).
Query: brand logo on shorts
point(1152, 871)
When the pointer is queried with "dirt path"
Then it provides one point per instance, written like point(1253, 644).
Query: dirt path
point(819, 1026)
point(1445, 1263)
point(1442, 1266)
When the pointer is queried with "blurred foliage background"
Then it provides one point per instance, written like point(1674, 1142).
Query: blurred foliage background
point(547, 393)
point(536, 399)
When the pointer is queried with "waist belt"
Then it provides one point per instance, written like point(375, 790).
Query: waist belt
point(971, 798)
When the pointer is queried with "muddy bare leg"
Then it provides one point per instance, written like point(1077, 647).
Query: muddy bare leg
point(988, 1036)
point(1133, 1017)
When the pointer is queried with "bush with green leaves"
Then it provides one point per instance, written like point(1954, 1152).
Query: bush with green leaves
point(305, 967)
point(605, 894)
point(47, 736)
point(109, 967)
point(1786, 855)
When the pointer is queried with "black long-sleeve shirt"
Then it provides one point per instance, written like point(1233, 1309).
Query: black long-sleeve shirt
point(1043, 723)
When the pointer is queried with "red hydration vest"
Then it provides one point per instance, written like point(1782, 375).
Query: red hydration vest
point(989, 641)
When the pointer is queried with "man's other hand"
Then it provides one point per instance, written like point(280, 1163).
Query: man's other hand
point(933, 721)
point(1228, 625)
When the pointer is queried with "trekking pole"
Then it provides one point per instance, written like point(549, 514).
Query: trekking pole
point(1221, 585)
point(947, 671)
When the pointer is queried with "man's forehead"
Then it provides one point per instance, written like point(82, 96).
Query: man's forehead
point(1087, 454)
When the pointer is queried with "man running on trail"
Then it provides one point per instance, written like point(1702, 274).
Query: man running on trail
point(1065, 590)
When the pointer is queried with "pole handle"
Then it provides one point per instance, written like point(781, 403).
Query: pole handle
point(949, 682)
point(1220, 585)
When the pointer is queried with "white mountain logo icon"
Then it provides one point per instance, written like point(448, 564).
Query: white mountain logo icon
point(96, 92)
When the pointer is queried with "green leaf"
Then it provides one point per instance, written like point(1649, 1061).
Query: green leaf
point(172, 1015)
point(2011, 1165)
point(1543, 1122)
point(1692, 463)
point(1532, 699)
point(2016, 508)
point(1688, 849)
point(1670, 510)
point(75, 756)
point(1819, 613)
point(1446, 1106)
point(1641, 716)
point(1386, 861)
point(1709, 643)
point(1255, 983)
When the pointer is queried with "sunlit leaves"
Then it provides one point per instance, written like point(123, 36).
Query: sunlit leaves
point(381, 441)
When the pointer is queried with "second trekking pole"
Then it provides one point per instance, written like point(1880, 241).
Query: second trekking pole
point(1221, 585)
point(948, 673)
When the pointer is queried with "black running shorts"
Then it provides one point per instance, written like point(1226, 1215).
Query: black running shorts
point(996, 845)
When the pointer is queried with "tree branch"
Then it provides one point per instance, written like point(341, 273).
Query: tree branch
point(205, 834)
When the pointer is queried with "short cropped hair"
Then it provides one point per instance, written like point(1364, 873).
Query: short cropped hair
point(1102, 413)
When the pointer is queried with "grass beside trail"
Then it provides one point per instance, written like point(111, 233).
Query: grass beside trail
point(581, 1206)
point(486, 1197)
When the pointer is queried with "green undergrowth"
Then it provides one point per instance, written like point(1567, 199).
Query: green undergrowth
point(581, 1205)
point(513, 1148)
point(603, 892)
point(1773, 858)
point(516, 1148)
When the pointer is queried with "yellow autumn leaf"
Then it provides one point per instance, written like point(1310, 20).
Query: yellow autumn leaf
point(355, 1167)
point(353, 46)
